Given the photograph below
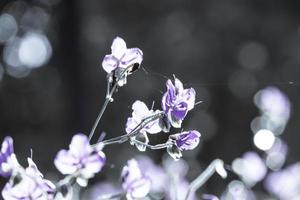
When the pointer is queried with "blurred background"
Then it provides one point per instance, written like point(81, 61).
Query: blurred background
point(52, 84)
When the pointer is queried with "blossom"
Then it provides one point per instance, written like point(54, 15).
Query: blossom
point(134, 183)
point(156, 173)
point(186, 140)
point(81, 159)
point(177, 101)
point(7, 157)
point(121, 57)
point(140, 112)
point(31, 185)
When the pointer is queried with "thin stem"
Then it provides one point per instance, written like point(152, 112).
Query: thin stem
point(215, 166)
point(108, 97)
point(153, 147)
point(134, 132)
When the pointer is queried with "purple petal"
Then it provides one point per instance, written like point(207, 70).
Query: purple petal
point(180, 111)
point(109, 63)
point(173, 120)
point(6, 152)
point(118, 47)
point(93, 164)
point(188, 140)
point(7, 146)
point(131, 56)
point(171, 90)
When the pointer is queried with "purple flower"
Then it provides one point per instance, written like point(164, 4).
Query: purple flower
point(156, 173)
point(81, 158)
point(7, 157)
point(140, 112)
point(177, 101)
point(134, 183)
point(32, 185)
point(187, 140)
point(121, 57)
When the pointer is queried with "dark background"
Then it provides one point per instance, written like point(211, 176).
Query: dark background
point(226, 50)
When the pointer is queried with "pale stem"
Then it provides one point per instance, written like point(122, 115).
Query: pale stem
point(154, 147)
point(108, 97)
point(204, 176)
point(134, 132)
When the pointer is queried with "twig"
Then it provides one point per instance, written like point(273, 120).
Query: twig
point(108, 98)
point(153, 147)
point(134, 132)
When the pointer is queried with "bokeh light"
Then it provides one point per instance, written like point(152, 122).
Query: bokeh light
point(264, 139)
point(8, 27)
point(34, 50)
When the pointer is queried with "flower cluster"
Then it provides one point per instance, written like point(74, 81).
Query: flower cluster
point(176, 102)
point(141, 178)
point(24, 183)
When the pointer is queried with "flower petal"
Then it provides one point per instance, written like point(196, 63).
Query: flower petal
point(171, 90)
point(180, 111)
point(140, 110)
point(93, 164)
point(132, 56)
point(188, 140)
point(109, 63)
point(79, 146)
point(118, 47)
point(140, 188)
point(189, 96)
point(178, 86)
point(65, 162)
